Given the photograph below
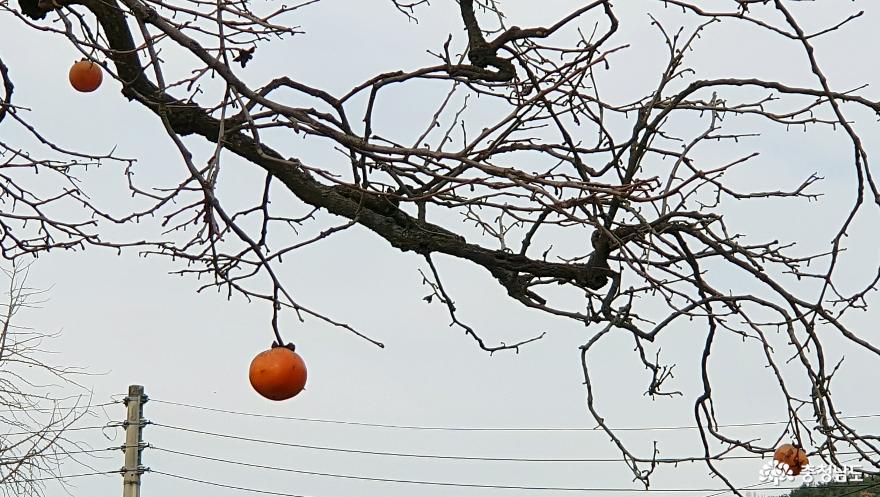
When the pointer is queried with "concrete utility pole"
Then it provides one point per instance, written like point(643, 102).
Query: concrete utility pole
point(134, 423)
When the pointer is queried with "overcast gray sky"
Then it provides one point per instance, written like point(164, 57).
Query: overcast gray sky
point(127, 319)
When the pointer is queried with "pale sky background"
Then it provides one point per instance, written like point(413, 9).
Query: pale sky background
point(128, 321)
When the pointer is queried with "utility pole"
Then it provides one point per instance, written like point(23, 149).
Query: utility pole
point(134, 424)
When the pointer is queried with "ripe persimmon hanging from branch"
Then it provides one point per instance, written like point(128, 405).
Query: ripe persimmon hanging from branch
point(85, 76)
point(278, 373)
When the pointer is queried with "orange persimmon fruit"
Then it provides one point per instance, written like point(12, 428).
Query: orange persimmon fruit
point(795, 457)
point(85, 76)
point(278, 373)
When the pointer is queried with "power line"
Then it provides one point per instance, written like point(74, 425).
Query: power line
point(59, 408)
point(445, 484)
point(79, 475)
point(723, 492)
point(467, 485)
point(223, 485)
point(449, 457)
point(58, 430)
point(458, 428)
point(379, 453)
point(67, 477)
point(750, 487)
point(7, 460)
point(861, 488)
point(358, 423)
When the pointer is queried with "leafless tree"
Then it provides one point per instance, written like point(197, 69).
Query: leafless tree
point(38, 407)
point(636, 191)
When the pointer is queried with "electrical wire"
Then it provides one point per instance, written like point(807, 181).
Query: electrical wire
point(358, 423)
point(7, 460)
point(223, 485)
point(58, 430)
point(466, 485)
point(858, 490)
point(759, 484)
point(724, 492)
point(378, 453)
point(457, 428)
point(442, 456)
point(57, 408)
point(718, 491)
point(67, 477)
point(60, 408)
